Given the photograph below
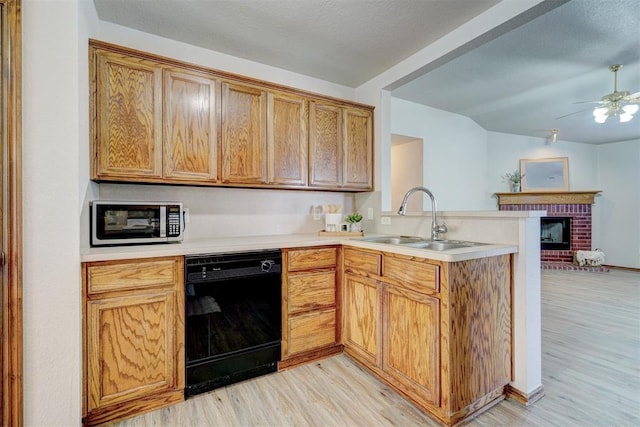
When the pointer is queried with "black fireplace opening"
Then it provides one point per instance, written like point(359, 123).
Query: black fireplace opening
point(555, 233)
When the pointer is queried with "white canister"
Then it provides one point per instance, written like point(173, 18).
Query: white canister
point(332, 221)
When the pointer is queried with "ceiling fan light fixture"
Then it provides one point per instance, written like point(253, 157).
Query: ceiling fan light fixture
point(630, 109)
point(601, 114)
point(624, 117)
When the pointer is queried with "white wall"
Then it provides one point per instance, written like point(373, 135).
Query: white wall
point(618, 232)
point(454, 154)
point(54, 130)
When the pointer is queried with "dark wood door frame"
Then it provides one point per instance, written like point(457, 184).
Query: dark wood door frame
point(11, 210)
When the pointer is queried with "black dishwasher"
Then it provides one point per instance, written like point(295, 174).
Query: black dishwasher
point(233, 318)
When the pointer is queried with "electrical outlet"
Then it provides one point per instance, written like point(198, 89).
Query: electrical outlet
point(317, 212)
point(385, 220)
point(370, 213)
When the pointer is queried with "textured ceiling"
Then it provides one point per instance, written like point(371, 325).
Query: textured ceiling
point(523, 80)
point(342, 41)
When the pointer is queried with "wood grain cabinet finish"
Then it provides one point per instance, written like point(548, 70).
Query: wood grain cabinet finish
point(311, 306)
point(133, 337)
point(159, 120)
point(287, 140)
point(190, 126)
point(340, 146)
point(325, 145)
point(358, 149)
point(244, 142)
point(438, 332)
point(128, 118)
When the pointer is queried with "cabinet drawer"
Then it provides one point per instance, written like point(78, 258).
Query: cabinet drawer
point(361, 262)
point(132, 274)
point(417, 275)
point(312, 330)
point(309, 259)
point(311, 290)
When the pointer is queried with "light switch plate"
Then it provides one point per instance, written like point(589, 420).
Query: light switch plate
point(370, 213)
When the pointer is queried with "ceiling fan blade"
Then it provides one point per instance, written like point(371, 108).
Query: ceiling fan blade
point(571, 114)
point(633, 98)
point(590, 102)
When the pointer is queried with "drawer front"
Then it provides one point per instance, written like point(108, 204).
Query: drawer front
point(361, 262)
point(313, 330)
point(309, 259)
point(411, 274)
point(111, 276)
point(311, 290)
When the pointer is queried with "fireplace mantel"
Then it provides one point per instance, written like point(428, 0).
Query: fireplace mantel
point(548, 198)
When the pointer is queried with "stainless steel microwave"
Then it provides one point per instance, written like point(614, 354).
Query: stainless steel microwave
point(134, 223)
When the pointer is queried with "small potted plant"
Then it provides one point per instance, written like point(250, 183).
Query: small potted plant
point(354, 220)
point(514, 178)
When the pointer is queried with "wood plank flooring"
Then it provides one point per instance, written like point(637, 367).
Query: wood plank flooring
point(590, 368)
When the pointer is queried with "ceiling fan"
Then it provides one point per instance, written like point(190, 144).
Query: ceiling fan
point(617, 103)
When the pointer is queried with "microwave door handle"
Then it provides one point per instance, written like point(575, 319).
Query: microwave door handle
point(163, 221)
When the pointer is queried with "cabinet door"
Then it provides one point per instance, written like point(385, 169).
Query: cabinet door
point(358, 149)
point(325, 145)
point(361, 325)
point(190, 120)
point(131, 347)
point(128, 105)
point(287, 139)
point(243, 134)
point(411, 343)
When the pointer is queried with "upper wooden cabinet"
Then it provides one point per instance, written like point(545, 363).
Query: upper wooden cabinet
point(287, 141)
point(340, 147)
point(159, 120)
point(128, 119)
point(190, 126)
point(244, 143)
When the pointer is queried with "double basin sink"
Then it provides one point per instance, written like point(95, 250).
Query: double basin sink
point(420, 243)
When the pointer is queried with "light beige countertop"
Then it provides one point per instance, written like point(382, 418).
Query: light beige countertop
point(252, 243)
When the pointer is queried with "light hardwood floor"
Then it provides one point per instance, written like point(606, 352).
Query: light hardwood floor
point(590, 369)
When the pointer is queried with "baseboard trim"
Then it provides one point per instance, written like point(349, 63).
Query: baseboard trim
point(637, 270)
point(523, 398)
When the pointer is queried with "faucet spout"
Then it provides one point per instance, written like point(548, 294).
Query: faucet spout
point(436, 228)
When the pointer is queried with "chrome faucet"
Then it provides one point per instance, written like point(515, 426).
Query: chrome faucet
point(436, 228)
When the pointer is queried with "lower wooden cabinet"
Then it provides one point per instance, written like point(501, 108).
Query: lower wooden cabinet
point(133, 337)
point(437, 332)
point(310, 309)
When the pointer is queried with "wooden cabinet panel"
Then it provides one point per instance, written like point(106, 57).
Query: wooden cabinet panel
point(112, 276)
point(128, 136)
point(190, 126)
point(358, 149)
point(311, 330)
point(361, 262)
point(325, 145)
point(130, 348)
point(310, 291)
point(362, 321)
point(243, 134)
point(133, 340)
point(413, 274)
point(310, 259)
point(310, 306)
point(412, 342)
point(287, 142)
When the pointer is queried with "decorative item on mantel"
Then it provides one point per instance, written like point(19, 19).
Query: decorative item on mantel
point(514, 178)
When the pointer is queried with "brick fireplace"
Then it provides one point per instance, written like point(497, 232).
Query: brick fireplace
point(575, 205)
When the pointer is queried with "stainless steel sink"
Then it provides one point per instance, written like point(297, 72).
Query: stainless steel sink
point(394, 240)
point(420, 243)
point(441, 245)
